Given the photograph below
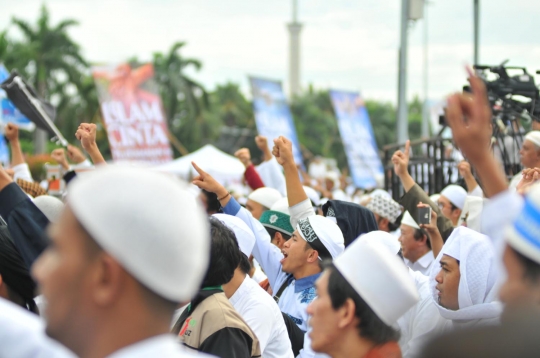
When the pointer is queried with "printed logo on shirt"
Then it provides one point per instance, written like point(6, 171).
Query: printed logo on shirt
point(298, 321)
point(188, 323)
point(308, 295)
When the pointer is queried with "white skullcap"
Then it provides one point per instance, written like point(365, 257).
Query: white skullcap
point(379, 278)
point(471, 215)
point(523, 235)
point(380, 192)
point(265, 196)
point(384, 207)
point(435, 198)
point(244, 235)
point(282, 205)
point(388, 240)
point(312, 195)
point(50, 206)
point(323, 235)
point(533, 137)
point(455, 194)
point(149, 223)
point(409, 221)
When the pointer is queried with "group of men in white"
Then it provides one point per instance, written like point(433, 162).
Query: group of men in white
point(135, 265)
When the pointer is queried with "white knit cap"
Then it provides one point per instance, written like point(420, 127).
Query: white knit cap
point(50, 206)
point(149, 223)
point(379, 278)
point(265, 196)
point(524, 234)
point(244, 235)
point(313, 195)
point(435, 198)
point(533, 137)
point(388, 240)
point(384, 207)
point(282, 205)
point(409, 221)
point(455, 194)
point(317, 230)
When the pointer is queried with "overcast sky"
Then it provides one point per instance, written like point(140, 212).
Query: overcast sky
point(346, 44)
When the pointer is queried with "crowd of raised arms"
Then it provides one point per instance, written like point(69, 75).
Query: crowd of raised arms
point(132, 262)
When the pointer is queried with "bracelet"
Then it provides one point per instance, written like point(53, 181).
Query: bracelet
point(225, 196)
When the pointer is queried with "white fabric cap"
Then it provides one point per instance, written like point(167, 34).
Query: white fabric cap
point(50, 206)
point(282, 205)
point(379, 278)
point(148, 222)
point(318, 227)
point(312, 195)
point(455, 194)
point(409, 221)
point(478, 285)
point(382, 193)
point(533, 137)
point(523, 234)
point(388, 240)
point(384, 207)
point(265, 196)
point(244, 235)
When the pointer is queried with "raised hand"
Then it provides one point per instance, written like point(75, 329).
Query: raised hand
point(262, 144)
point(75, 155)
point(86, 133)
point(207, 182)
point(59, 155)
point(464, 169)
point(244, 155)
point(11, 131)
point(401, 160)
point(283, 151)
point(530, 176)
point(432, 231)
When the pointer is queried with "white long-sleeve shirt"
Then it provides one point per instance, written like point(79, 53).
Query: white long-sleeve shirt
point(263, 316)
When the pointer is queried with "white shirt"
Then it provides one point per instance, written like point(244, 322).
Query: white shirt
point(423, 264)
point(422, 322)
point(263, 316)
point(164, 345)
point(22, 335)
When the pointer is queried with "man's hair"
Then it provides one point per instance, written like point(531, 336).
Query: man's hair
point(419, 235)
point(212, 203)
point(224, 255)
point(371, 327)
point(272, 233)
point(245, 265)
point(531, 268)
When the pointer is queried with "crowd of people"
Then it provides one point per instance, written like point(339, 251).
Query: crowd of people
point(131, 263)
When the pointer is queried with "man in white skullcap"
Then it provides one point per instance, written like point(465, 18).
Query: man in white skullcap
point(261, 200)
point(292, 271)
point(255, 306)
point(452, 201)
point(354, 314)
point(415, 245)
point(118, 265)
point(422, 322)
point(386, 212)
point(530, 156)
point(465, 280)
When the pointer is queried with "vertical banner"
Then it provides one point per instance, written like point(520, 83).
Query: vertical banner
point(133, 113)
point(358, 139)
point(272, 114)
point(9, 113)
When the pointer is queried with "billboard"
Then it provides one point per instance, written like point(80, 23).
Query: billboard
point(133, 113)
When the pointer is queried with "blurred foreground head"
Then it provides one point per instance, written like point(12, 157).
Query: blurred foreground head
point(129, 247)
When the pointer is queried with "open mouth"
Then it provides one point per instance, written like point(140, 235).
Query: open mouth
point(285, 255)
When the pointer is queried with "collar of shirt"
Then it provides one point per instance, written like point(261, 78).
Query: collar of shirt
point(242, 290)
point(426, 260)
point(305, 282)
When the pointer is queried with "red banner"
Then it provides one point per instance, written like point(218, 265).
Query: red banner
point(133, 113)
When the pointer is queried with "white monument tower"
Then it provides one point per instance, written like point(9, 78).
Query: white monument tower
point(294, 52)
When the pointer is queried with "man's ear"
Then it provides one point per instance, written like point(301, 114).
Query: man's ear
point(108, 280)
point(347, 314)
point(313, 256)
point(383, 223)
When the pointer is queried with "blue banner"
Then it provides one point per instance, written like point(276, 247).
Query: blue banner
point(272, 114)
point(9, 113)
point(357, 136)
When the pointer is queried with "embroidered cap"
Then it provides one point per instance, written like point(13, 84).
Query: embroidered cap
point(384, 207)
point(323, 235)
point(278, 221)
point(379, 278)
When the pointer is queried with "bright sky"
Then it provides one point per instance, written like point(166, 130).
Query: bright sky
point(350, 45)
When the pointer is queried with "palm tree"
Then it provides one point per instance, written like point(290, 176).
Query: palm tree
point(55, 59)
point(185, 100)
